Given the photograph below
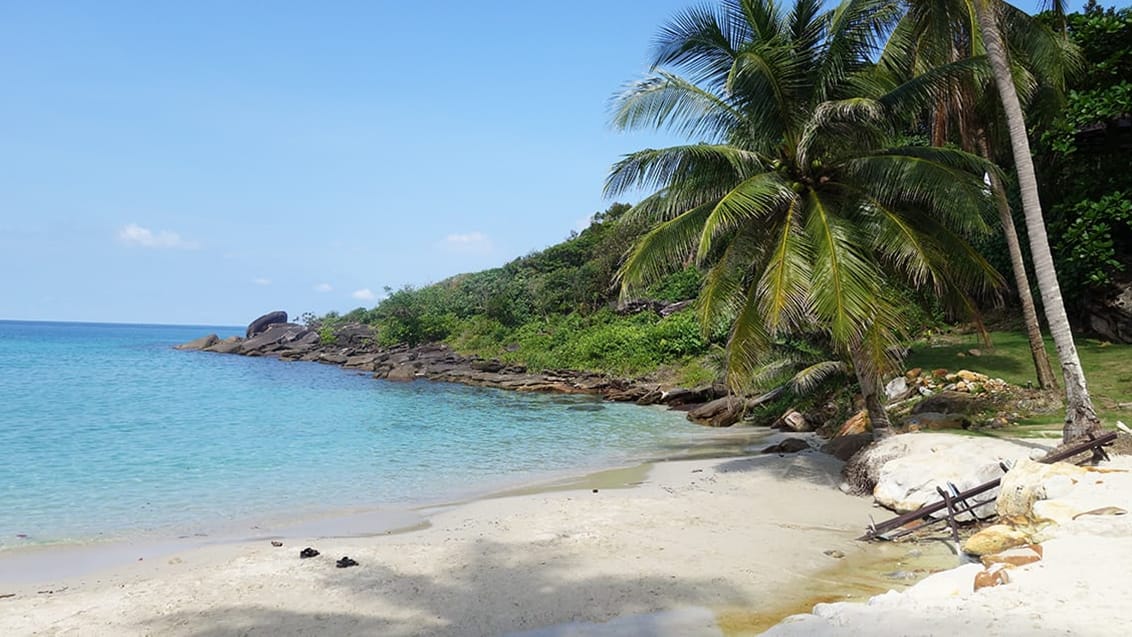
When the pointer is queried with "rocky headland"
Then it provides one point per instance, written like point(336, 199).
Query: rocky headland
point(354, 346)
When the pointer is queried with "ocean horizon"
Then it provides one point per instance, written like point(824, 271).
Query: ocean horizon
point(111, 434)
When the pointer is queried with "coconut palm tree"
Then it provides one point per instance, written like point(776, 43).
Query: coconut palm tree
point(1080, 417)
point(802, 213)
point(938, 34)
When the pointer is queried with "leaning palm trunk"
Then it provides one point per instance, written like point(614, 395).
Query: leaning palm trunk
point(1080, 417)
point(869, 381)
point(1046, 379)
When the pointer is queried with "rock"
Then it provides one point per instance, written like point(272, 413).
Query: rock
point(262, 323)
point(792, 421)
point(858, 423)
point(995, 539)
point(993, 576)
point(200, 343)
point(230, 345)
point(402, 373)
point(834, 553)
point(969, 376)
point(721, 412)
point(345, 562)
point(790, 445)
point(266, 341)
point(896, 388)
point(939, 374)
point(913, 373)
point(354, 335)
point(909, 467)
point(308, 552)
point(1027, 482)
point(975, 352)
point(673, 308)
point(845, 447)
point(1108, 312)
point(1020, 556)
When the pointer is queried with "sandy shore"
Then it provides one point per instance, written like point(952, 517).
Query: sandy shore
point(1080, 586)
point(715, 546)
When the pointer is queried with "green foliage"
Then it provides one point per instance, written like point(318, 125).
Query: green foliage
point(677, 286)
point(1085, 246)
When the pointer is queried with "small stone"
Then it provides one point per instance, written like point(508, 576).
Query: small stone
point(1020, 556)
point(345, 562)
point(276, 543)
point(308, 552)
point(993, 576)
point(834, 553)
point(974, 351)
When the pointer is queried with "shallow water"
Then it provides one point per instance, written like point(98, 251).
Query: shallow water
point(110, 433)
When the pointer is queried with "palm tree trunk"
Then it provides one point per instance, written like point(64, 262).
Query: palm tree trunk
point(869, 383)
point(1046, 379)
point(1080, 417)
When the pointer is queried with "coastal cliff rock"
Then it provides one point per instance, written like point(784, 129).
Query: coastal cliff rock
point(200, 343)
point(354, 346)
point(263, 322)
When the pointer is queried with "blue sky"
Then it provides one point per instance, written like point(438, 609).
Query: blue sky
point(206, 162)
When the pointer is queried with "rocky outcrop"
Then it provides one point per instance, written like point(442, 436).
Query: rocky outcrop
point(263, 322)
point(354, 346)
point(203, 342)
point(1109, 312)
point(902, 472)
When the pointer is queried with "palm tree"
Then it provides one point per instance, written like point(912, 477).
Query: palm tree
point(935, 35)
point(801, 212)
point(1080, 417)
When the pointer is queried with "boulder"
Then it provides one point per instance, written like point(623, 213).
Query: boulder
point(995, 539)
point(858, 423)
point(896, 388)
point(1108, 312)
point(402, 373)
point(1029, 482)
point(793, 421)
point(721, 412)
point(790, 445)
point(354, 335)
point(262, 323)
point(906, 469)
point(845, 447)
point(229, 345)
point(200, 343)
point(267, 340)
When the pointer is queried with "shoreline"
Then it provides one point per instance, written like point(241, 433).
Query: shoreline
point(568, 555)
point(41, 564)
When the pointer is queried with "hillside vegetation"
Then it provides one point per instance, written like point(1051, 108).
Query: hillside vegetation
point(553, 309)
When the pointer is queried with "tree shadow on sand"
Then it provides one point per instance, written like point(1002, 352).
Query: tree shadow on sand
point(497, 589)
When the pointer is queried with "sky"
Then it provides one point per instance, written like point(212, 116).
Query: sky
point(206, 162)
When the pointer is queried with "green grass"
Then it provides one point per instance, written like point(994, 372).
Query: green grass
point(1108, 369)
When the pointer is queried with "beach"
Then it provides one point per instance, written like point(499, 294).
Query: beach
point(711, 544)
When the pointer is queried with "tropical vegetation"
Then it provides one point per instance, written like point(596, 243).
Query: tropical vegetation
point(852, 176)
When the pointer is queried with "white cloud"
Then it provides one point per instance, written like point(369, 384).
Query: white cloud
point(133, 234)
point(469, 242)
point(364, 294)
point(324, 287)
point(261, 281)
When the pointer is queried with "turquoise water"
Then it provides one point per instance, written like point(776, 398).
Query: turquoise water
point(110, 433)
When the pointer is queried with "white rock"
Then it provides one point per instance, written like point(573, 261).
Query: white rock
point(896, 387)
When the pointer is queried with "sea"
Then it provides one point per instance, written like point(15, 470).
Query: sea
point(110, 434)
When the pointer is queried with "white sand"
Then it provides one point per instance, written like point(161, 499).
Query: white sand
point(698, 542)
point(1081, 586)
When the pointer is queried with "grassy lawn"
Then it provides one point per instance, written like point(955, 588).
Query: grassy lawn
point(1108, 369)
